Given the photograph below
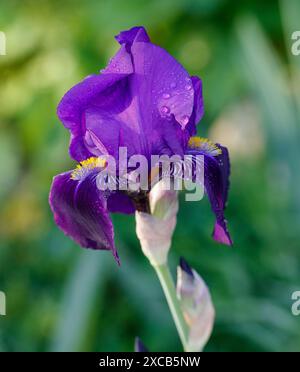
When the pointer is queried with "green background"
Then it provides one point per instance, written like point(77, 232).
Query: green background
point(61, 297)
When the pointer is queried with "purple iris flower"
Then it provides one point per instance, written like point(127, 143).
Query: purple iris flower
point(143, 100)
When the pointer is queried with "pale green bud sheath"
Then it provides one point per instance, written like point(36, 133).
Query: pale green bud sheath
point(196, 305)
point(155, 232)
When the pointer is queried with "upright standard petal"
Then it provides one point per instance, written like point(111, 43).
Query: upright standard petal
point(144, 100)
point(80, 210)
point(135, 34)
point(216, 181)
point(198, 110)
point(157, 103)
point(104, 92)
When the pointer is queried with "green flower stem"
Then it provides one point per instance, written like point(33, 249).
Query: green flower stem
point(167, 284)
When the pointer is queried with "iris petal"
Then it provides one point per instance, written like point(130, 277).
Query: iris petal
point(144, 100)
point(198, 110)
point(119, 202)
point(102, 91)
point(216, 181)
point(80, 210)
point(135, 34)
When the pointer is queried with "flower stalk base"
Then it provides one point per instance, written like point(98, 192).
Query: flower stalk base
point(168, 287)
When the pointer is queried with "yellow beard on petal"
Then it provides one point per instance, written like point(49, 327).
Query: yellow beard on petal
point(205, 145)
point(87, 165)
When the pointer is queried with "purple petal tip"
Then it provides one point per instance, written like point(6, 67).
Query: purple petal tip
point(137, 34)
point(221, 235)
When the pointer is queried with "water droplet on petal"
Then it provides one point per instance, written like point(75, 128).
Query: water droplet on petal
point(188, 87)
point(165, 109)
point(173, 85)
point(166, 95)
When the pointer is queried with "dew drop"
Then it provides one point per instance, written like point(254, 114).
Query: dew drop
point(166, 95)
point(165, 109)
point(173, 85)
point(188, 87)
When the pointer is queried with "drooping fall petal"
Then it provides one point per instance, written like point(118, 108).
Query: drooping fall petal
point(80, 210)
point(216, 181)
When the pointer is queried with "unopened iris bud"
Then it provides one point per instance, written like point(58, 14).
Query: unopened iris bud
point(163, 199)
point(155, 230)
point(196, 304)
point(139, 346)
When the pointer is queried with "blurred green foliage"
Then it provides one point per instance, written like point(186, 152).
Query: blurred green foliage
point(60, 297)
